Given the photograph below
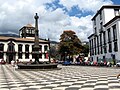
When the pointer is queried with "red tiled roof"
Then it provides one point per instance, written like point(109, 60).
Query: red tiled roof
point(28, 25)
point(19, 39)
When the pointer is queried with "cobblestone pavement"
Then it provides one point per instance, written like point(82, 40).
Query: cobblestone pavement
point(67, 78)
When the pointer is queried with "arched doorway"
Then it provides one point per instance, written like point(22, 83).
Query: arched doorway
point(10, 58)
point(10, 52)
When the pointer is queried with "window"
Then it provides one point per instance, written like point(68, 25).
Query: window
point(115, 46)
point(20, 51)
point(105, 49)
point(109, 35)
point(40, 47)
point(20, 47)
point(101, 43)
point(101, 49)
point(115, 38)
point(100, 15)
point(30, 31)
point(92, 48)
point(45, 47)
point(109, 40)
point(27, 31)
point(33, 31)
point(33, 48)
point(95, 45)
point(97, 59)
point(27, 48)
point(95, 31)
point(100, 39)
point(104, 37)
point(40, 55)
point(20, 55)
point(101, 27)
point(1, 47)
point(114, 33)
point(26, 55)
point(1, 55)
point(11, 47)
point(27, 51)
point(116, 12)
point(104, 59)
point(110, 47)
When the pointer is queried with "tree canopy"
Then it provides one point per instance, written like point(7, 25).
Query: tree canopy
point(54, 52)
point(69, 43)
point(85, 50)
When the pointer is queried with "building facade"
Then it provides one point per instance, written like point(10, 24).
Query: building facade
point(22, 48)
point(104, 43)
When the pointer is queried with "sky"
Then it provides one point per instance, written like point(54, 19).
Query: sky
point(55, 16)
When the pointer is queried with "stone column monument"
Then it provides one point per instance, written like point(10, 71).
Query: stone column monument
point(36, 42)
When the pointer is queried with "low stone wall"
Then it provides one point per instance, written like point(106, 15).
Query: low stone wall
point(37, 66)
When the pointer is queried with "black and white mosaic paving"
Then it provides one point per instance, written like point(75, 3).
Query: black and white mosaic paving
point(67, 78)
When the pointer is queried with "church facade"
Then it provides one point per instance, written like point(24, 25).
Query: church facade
point(22, 48)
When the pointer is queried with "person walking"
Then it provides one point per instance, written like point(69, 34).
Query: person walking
point(13, 63)
point(118, 75)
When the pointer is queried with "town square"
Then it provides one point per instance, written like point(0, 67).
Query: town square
point(66, 78)
point(60, 45)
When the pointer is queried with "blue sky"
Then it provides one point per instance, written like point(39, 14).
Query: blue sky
point(75, 11)
point(55, 16)
point(116, 2)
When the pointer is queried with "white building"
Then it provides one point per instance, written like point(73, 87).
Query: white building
point(21, 48)
point(105, 41)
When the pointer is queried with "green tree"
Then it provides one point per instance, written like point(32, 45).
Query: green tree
point(70, 44)
point(54, 52)
point(85, 50)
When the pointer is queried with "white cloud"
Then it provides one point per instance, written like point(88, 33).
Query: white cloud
point(16, 13)
point(85, 5)
point(82, 26)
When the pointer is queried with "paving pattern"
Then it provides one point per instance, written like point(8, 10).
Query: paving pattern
point(67, 78)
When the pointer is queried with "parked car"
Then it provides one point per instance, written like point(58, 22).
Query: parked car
point(60, 62)
point(118, 64)
point(66, 63)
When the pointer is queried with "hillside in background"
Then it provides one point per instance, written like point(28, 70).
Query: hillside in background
point(9, 35)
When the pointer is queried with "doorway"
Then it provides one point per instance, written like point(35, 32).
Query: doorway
point(10, 58)
point(114, 61)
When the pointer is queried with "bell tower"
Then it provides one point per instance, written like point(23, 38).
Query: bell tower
point(27, 31)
